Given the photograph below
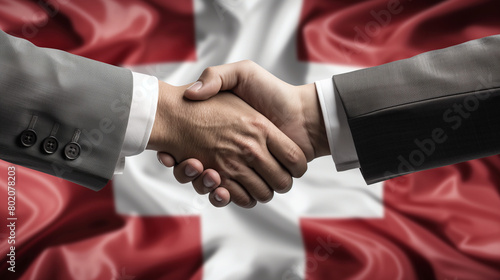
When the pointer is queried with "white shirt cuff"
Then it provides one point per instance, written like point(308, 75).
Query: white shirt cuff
point(141, 117)
point(337, 129)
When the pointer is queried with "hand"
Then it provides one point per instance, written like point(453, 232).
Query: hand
point(293, 109)
point(226, 134)
point(191, 170)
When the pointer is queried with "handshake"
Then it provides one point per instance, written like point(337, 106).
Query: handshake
point(246, 140)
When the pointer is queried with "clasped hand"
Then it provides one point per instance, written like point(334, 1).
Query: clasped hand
point(229, 149)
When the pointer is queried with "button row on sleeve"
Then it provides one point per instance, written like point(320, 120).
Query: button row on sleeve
point(50, 144)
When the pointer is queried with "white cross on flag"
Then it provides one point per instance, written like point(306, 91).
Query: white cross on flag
point(437, 224)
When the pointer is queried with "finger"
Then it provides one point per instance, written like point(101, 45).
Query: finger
point(165, 159)
point(255, 185)
point(239, 195)
point(274, 175)
point(207, 181)
point(286, 152)
point(219, 197)
point(247, 178)
point(215, 79)
point(188, 170)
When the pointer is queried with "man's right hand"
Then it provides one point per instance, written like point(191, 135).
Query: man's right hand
point(253, 157)
point(295, 110)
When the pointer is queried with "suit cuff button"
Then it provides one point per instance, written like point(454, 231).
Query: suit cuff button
point(50, 145)
point(28, 138)
point(72, 151)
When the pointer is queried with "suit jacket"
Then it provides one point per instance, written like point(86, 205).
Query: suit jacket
point(61, 114)
point(435, 109)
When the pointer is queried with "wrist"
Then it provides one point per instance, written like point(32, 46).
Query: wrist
point(313, 120)
point(161, 133)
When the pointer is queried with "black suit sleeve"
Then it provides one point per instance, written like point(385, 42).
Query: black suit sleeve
point(435, 109)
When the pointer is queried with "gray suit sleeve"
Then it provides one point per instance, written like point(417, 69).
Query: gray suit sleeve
point(431, 110)
point(61, 114)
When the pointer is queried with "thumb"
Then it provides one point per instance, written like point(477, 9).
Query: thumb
point(213, 80)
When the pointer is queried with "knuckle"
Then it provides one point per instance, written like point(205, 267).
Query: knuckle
point(256, 121)
point(262, 122)
point(259, 126)
point(248, 63)
point(294, 155)
point(284, 184)
point(249, 146)
point(231, 167)
point(250, 151)
point(251, 204)
point(243, 201)
point(209, 71)
point(266, 197)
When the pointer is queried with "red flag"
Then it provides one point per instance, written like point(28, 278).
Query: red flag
point(436, 224)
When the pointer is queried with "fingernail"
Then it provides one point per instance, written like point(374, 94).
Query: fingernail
point(190, 171)
point(218, 198)
point(208, 182)
point(159, 159)
point(196, 86)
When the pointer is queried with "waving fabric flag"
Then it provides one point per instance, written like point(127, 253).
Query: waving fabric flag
point(437, 224)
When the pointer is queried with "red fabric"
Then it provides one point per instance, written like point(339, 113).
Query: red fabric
point(438, 224)
point(65, 231)
point(374, 32)
point(59, 221)
point(125, 32)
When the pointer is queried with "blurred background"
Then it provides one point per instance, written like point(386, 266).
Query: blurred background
point(437, 224)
